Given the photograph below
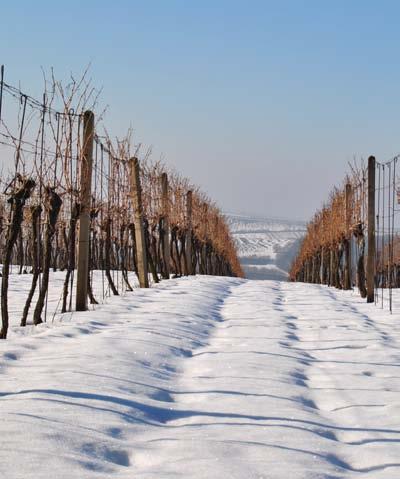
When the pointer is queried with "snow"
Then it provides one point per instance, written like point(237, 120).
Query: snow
point(266, 246)
point(19, 286)
point(205, 377)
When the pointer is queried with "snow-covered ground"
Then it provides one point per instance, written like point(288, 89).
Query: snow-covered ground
point(206, 377)
point(266, 246)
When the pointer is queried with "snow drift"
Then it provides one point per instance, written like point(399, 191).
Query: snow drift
point(205, 377)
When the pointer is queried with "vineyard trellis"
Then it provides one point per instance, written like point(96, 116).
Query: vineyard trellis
point(354, 240)
point(75, 201)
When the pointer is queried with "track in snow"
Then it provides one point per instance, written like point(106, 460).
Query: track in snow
point(207, 377)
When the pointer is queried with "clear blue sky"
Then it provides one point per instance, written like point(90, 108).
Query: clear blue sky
point(261, 103)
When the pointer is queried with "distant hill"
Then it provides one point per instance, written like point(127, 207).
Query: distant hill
point(266, 246)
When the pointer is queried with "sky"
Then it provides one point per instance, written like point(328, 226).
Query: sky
point(261, 103)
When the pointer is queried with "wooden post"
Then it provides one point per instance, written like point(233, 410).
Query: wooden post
point(189, 233)
point(136, 195)
point(165, 225)
point(84, 212)
point(347, 244)
point(321, 269)
point(371, 231)
point(213, 267)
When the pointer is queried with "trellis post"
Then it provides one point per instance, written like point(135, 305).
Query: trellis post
point(140, 241)
point(165, 225)
point(371, 231)
point(347, 250)
point(84, 212)
point(189, 233)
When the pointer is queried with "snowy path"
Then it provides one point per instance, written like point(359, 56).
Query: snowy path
point(207, 378)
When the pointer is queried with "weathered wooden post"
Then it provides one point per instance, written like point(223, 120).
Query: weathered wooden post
point(189, 233)
point(331, 266)
point(84, 212)
point(347, 241)
point(371, 231)
point(165, 225)
point(204, 249)
point(140, 242)
point(321, 269)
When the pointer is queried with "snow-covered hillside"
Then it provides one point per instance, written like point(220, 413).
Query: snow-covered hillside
point(266, 246)
point(206, 377)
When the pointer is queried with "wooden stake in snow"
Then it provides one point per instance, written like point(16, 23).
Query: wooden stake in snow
point(347, 241)
point(140, 242)
point(371, 231)
point(188, 242)
point(165, 225)
point(84, 212)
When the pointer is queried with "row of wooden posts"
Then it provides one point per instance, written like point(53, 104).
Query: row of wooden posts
point(136, 197)
point(76, 201)
point(323, 266)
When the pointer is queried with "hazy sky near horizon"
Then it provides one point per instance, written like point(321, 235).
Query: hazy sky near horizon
point(261, 103)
